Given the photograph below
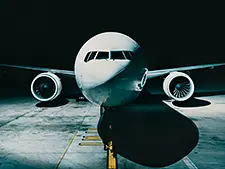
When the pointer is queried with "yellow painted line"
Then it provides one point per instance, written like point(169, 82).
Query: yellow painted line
point(111, 157)
point(92, 132)
point(94, 138)
point(91, 144)
point(92, 128)
point(67, 147)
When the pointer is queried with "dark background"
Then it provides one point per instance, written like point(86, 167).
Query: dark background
point(50, 33)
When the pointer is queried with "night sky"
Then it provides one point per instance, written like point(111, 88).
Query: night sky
point(50, 33)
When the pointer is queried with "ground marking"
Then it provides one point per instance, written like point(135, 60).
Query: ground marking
point(67, 147)
point(71, 140)
point(189, 163)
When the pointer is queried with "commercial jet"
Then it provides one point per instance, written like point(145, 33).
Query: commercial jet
point(109, 72)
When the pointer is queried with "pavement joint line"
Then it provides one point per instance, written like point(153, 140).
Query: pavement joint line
point(67, 147)
point(17, 117)
point(189, 163)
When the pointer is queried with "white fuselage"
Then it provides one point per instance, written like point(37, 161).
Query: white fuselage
point(109, 81)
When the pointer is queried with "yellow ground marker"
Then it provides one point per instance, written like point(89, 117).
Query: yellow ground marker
point(67, 147)
point(111, 157)
point(91, 144)
point(92, 128)
point(94, 138)
point(91, 132)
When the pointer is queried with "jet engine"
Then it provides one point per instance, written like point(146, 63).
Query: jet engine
point(178, 86)
point(46, 86)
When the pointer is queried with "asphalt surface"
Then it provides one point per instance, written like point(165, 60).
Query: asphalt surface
point(34, 135)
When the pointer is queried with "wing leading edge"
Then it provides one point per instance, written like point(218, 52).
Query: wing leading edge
point(58, 71)
point(157, 73)
point(150, 74)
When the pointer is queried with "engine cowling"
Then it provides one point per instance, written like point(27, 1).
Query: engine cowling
point(46, 86)
point(178, 86)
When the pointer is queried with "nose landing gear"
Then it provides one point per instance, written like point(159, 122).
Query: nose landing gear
point(111, 157)
point(105, 132)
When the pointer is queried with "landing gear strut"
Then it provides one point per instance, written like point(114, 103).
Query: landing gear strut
point(105, 126)
point(105, 132)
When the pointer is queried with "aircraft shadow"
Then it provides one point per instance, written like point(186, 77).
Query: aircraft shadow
point(150, 134)
point(54, 103)
point(209, 93)
point(192, 102)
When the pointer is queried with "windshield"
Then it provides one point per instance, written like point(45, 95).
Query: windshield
point(102, 55)
point(117, 55)
point(87, 56)
point(92, 56)
point(128, 54)
point(122, 55)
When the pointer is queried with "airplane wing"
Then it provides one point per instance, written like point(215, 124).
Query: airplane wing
point(156, 73)
point(63, 72)
point(150, 74)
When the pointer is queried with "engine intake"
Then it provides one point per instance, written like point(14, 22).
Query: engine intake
point(178, 86)
point(46, 86)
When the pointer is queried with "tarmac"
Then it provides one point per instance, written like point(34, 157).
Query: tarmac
point(64, 135)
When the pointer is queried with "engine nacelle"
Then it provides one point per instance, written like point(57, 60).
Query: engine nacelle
point(46, 86)
point(178, 86)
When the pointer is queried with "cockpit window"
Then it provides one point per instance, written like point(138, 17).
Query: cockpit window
point(128, 54)
point(86, 57)
point(92, 56)
point(102, 55)
point(117, 55)
point(121, 55)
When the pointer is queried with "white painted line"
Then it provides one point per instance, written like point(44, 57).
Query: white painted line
point(189, 163)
